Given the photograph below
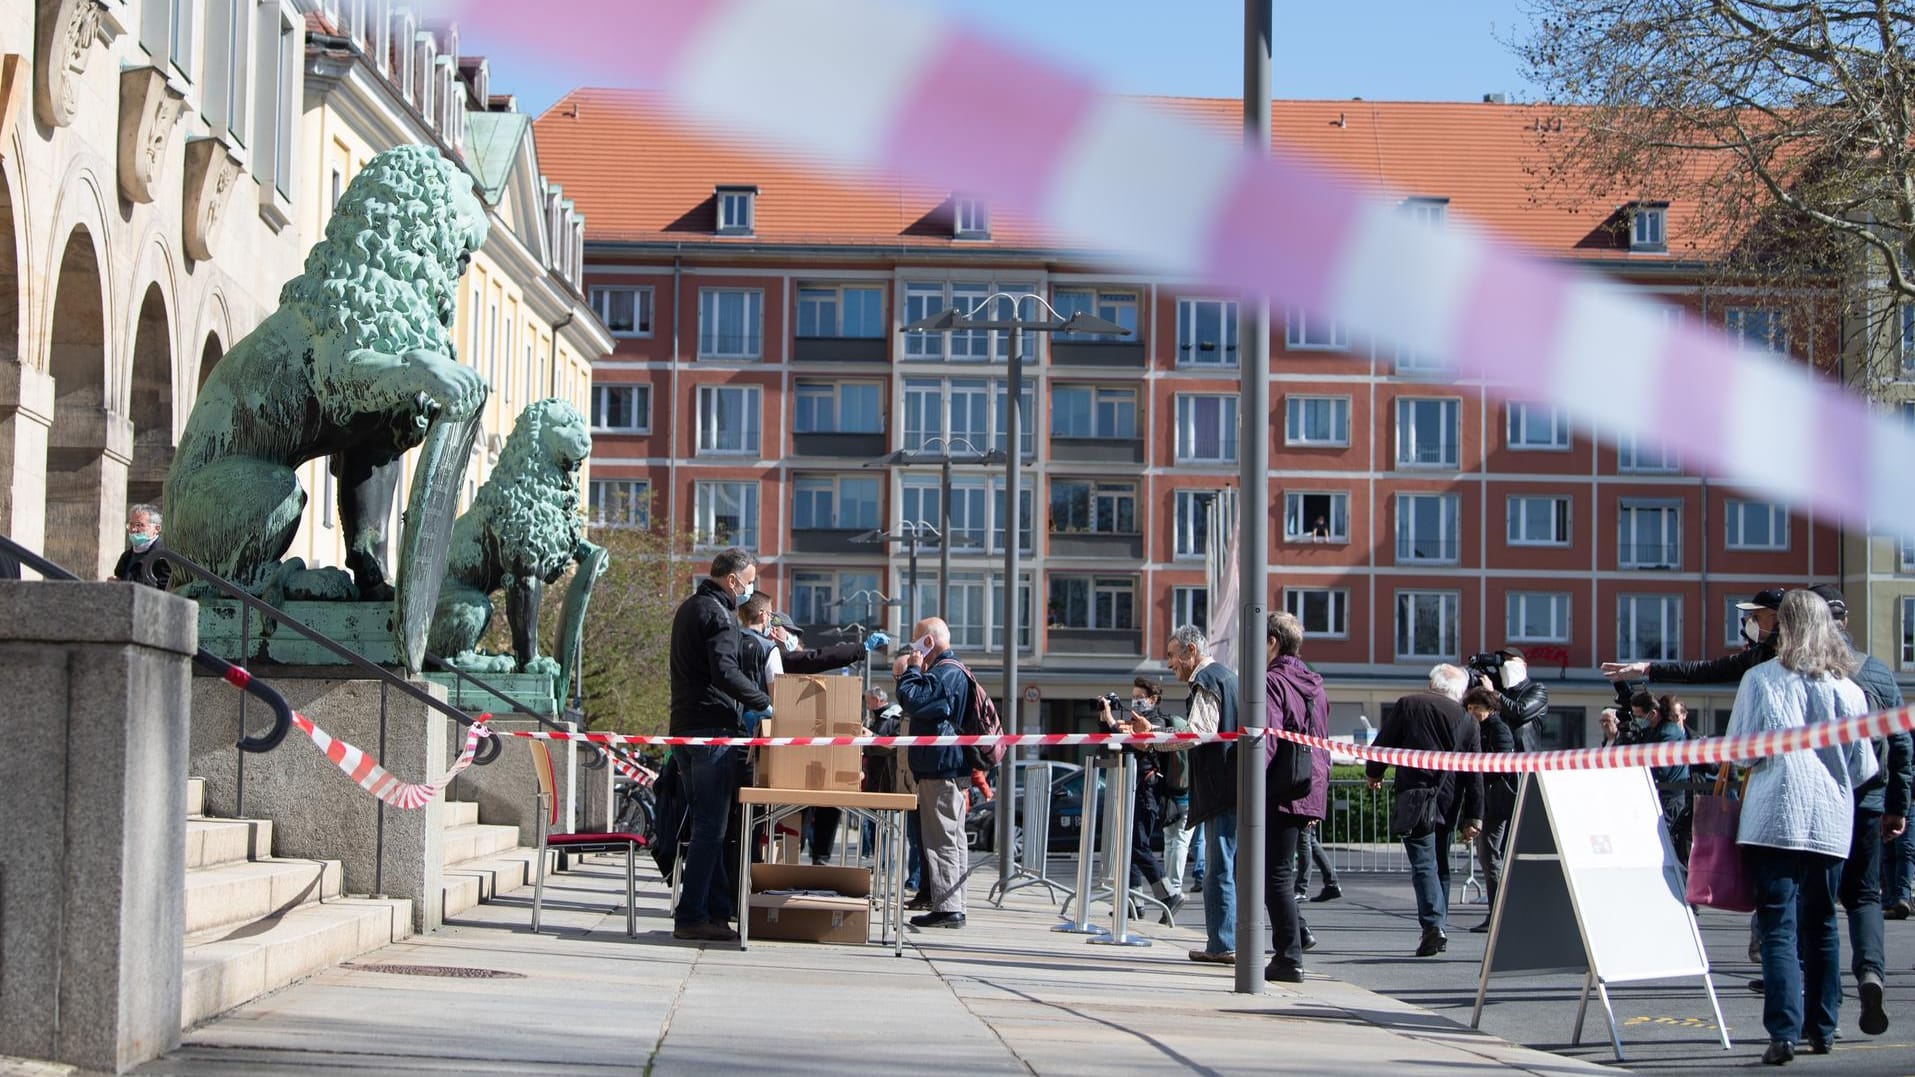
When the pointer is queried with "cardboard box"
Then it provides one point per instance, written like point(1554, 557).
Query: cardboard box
point(844, 920)
point(803, 706)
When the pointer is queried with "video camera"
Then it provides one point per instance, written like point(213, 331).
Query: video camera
point(1625, 692)
point(1488, 664)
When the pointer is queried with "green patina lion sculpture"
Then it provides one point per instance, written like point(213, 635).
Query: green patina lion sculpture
point(521, 533)
point(355, 365)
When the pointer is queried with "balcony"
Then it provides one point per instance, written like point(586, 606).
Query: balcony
point(829, 540)
point(854, 446)
point(1096, 544)
point(1125, 642)
point(841, 350)
point(1097, 450)
point(1128, 355)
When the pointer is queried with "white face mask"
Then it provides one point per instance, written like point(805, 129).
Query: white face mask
point(790, 644)
point(1515, 672)
point(1140, 706)
point(1751, 631)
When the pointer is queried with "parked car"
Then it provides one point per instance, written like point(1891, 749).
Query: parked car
point(1067, 794)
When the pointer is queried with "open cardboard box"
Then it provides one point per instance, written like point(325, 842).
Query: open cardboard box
point(844, 920)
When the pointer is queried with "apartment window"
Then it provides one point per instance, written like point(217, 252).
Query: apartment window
point(960, 410)
point(1316, 420)
point(972, 219)
point(1757, 328)
point(1323, 611)
point(963, 611)
point(1192, 530)
point(1426, 625)
point(1755, 525)
point(1646, 227)
point(1207, 332)
point(1094, 602)
point(728, 419)
point(227, 35)
point(166, 32)
point(837, 407)
point(1638, 455)
point(852, 311)
point(621, 503)
point(1538, 617)
point(622, 409)
point(1650, 534)
point(1426, 432)
point(834, 503)
point(1907, 338)
point(1432, 212)
point(921, 301)
point(836, 598)
point(277, 64)
point(1907, 412)
point(1732, 616)
point(1206, 429)
point(1537, 426)
point(1905, 550)
point(1410, 361)
point(977, 511)
point(1427, 528)
point(1316, 517)
point(1112, 306)
point(1908, 632)
point(1190, 606)
point(727, 514)
point(1093, 411)
point(1081, 506)
point(1024, 613)
point(1538, 521)
point(729, 323)
point(626, 312)
point(735, 206)
point(1307, 332)
point(1648, 628)
point(925, 298)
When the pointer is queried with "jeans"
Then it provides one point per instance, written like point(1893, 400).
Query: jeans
point(1284, 837)
point(1489, 854)
point(1220, 883)
point(1309, 849)
point(1898, 867)
point(711, 788)
point(1177, 846)
point(1801, 949)
point(1198, 844)
point(1861, 894)
point(1430, 878)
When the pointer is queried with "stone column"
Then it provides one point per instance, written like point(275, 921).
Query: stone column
point(93, 787)
point(26, 413)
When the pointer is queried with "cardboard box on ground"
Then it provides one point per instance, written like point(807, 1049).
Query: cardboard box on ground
point(806, 918)
point(805, 706)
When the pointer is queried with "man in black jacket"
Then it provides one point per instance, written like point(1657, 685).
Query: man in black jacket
point(1430, 804)
point(712, 696)
point(1485, 705)
point(1758, 631)
point(1521, 702)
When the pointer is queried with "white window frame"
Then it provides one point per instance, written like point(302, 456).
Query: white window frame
point(1527, 420)
point(1637, 454)
point(1096, 588)
point(1628, 618)
point(1409, 362)
point(709, 436)
point(988, 396)
point(1297, 529)
point(1105, 402)
point(279, 41)
point(805, 388)
point(1449, 606)
point(1732, 620)
point(1298, 326)
point(1905, 338)
point(802, 484)
point(1449, 451)
point(1449, 528)
point(1427, 211)
point(637, 494)
point(1100, 494)
point(1562, 515)
point(970, 218)
point(1908, 631)
point(1517, 627)
point(977, 510)
point(641, 395)
point(923, 298)
point(1192, 511)
point(601, 297)
point(1629, 553)
point(229, 37)
point(705, 507)
point(1735, 523)
point(1183, 603)
point(737, 209)
point(1187, 440)
point(1905, 553)
point(838, 310)
point(1335, 608)
point(1190, 350)
point(751, 346)
point(1297, 408)
point(1649, 228)
point(1118, 305)
point(1735, 322)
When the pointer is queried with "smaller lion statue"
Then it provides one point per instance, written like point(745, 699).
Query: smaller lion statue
point(522, 532)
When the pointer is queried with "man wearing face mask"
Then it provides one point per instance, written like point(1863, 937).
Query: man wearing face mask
point(142, 531)
point(1758, 631)
point(1146, 867)
point(1520, 702)
point(713, 695)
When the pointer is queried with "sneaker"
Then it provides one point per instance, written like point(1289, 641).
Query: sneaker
point(1228, 957)
point(1171, 905)
point(938, 919)
point(1874, 1018)
point(1280, 974)
point(1330, 892)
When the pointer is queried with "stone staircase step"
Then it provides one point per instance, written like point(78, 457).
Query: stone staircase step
point(461, 812)
point(476, 840)
point(212, 842)
point(467, 884)
point(196, 796)
point(228, 966)
point(239, 893)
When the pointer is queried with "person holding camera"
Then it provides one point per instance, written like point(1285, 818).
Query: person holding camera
point(1146, 868)
point(1499, 793)
point(1520, 702)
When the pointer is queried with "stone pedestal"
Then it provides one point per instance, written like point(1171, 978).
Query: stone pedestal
point(94, 678)
point(363, 627)
point(532, 689)
point(316, 810)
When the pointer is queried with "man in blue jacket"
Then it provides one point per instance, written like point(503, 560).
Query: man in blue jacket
point(934, 688)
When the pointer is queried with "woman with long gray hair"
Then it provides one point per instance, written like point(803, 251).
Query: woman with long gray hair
point(1796, 822)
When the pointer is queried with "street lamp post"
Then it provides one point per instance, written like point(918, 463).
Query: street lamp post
point(922, 455)
point(944, 321)
point(911, 530)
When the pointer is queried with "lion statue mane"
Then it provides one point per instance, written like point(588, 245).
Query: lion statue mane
point(354, 365)
point(522, 531)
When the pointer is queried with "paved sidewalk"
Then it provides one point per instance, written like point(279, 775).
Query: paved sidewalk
point(1004, 995)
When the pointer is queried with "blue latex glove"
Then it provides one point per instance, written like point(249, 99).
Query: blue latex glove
point(752, 718)
point(876, 641)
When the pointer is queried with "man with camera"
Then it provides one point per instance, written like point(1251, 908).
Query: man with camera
point(1146, 868)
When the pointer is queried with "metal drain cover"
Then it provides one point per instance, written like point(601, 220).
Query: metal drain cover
point(451, 971)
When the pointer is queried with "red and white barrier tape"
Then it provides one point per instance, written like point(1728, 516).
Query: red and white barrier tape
point(955, 741)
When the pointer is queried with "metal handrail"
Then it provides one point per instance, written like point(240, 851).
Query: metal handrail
point(205, 659)
point(592, 761)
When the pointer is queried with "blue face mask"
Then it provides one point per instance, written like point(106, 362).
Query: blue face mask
point(140, 540)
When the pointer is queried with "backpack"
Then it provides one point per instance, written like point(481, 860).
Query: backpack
point(981, 720)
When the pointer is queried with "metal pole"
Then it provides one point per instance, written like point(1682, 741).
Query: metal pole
point(1013, 456)
point(911, 544)
point(1253, 541)
point(944, 539)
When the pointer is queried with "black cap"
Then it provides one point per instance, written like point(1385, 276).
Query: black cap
point(1770, 599)
point(1833, 596)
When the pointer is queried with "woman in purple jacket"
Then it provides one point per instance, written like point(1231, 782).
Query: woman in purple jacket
point(1293, 700)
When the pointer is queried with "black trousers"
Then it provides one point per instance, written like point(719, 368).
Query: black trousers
point(1146, 867)
point(1282, 836)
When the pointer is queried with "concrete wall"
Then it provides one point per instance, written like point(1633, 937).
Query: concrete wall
point(93, 788)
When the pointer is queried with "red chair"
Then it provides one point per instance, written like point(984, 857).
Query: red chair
point(548, 817)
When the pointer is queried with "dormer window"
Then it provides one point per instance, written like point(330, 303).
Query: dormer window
point(1427, 211)
point(1648, 223)
point(735, 210)
point(973, 219)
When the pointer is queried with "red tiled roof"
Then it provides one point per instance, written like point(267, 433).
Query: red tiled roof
point(641, 173)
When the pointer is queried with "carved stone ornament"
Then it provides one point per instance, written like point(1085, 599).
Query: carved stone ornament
point(211, 171)
point(64, 36)
point(149, 110)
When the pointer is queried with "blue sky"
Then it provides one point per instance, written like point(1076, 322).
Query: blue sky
point(1434, 50)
